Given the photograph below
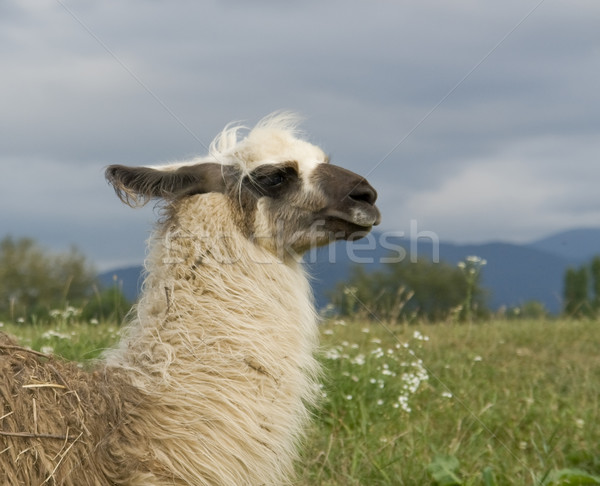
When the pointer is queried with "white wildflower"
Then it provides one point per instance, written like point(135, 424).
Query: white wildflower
point(52, 333)
point(403, 403)
point(420, 337)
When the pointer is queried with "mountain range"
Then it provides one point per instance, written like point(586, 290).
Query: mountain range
point(513, 275)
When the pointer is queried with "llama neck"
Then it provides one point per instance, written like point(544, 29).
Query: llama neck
point(225, 336)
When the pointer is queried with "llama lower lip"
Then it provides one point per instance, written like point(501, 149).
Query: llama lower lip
point(363, 217)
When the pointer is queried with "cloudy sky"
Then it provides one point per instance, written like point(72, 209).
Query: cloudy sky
point(478, 120)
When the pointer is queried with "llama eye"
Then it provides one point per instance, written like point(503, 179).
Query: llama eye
point(274, 180)
point(271, 181)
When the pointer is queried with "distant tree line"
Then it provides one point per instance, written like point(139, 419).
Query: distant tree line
point(582, 290)
point(36, 283)
point(420, 290)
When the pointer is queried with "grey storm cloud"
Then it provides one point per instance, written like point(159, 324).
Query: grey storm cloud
point(479, 120)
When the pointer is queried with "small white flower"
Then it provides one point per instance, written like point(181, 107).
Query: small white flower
point(477, 358)
point(579, 423)
point(366, 330)
point(332, 354)
point(348, 397)
point(447, 394)
point(328, 332)
point(403, 402)
point(380, 402)
point(47, 349)
point(417, 335)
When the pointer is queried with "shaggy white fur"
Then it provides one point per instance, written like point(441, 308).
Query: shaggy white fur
point(223, 346)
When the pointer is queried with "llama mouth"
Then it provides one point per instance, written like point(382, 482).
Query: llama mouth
point(363, 217)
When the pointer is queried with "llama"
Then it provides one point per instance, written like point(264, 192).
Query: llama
point(213, 379)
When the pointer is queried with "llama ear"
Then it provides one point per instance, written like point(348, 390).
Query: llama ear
point(135, 186)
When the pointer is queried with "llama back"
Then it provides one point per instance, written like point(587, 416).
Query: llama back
point(48, 419)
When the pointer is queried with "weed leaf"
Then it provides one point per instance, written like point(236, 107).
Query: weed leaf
point(443, 471)
point(488, 477)
point(570, 477)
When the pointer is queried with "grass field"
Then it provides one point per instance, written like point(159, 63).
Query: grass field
point(498, 403)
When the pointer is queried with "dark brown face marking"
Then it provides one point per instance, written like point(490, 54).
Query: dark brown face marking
point(273, 180)
point(350, 200)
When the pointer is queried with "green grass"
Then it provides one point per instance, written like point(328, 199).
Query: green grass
point(504, 403)
point(498, 403)
point(73, 340)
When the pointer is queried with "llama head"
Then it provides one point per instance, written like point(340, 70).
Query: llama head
point(282, 190)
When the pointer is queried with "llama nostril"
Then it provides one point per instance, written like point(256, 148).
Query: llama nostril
point(363, 193)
